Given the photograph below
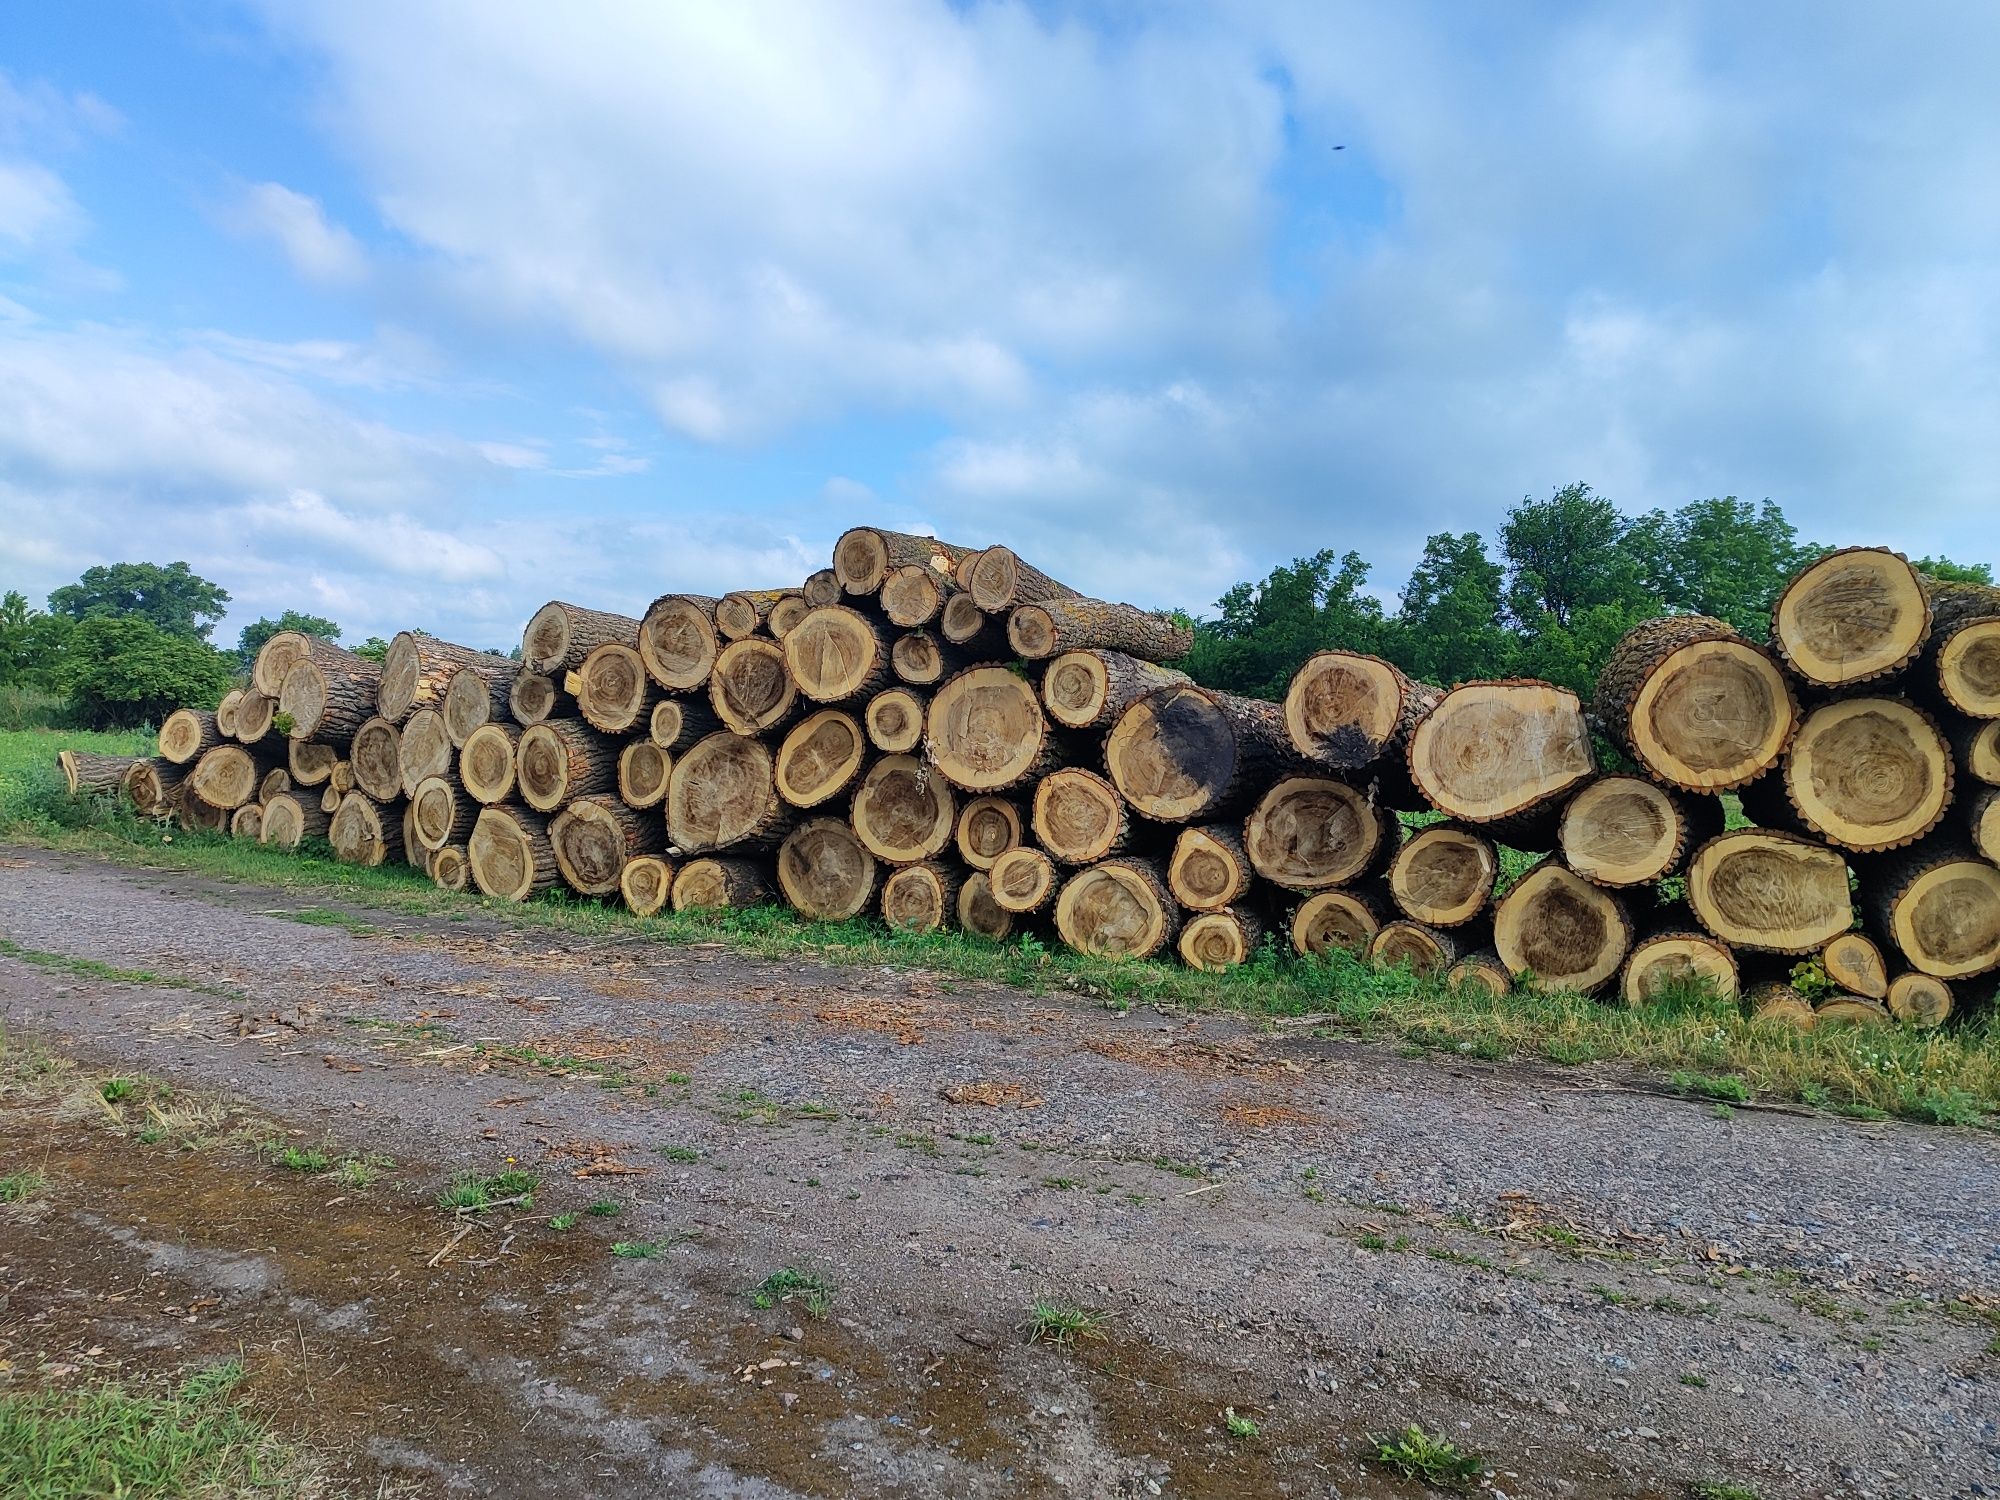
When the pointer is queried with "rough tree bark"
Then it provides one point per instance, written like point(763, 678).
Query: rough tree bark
point(1090, 689)
point(560, 636)
point(1039, 631)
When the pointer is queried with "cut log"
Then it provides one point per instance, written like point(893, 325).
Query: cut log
point(1429, 951)
point(274, 660)
point(1308, 833)
point(310, 763)
point(825, 872)
point(1494, 750)
point(366, 832)
point(978, 913)
point(1627, 831)
point(913, 596)
point(1022, 880)
point(821, 589)
point(417, 671)
point(643, 771)
point(678, 722)
point(743, 613)
point(1868, 774)
point(478, 692)
point(1919, 1000)
point(328, 692)
point(225, 777)
point(150, 786)
point(1855, 963)
point(720, 884)
point(1216, 941)
point(1344, 710)
point(1444, 875)
point(903, 812)
point(1079, 817)
point(450, 869)
point(1090, 689)
point(560, 636)
point(185, 733)
point(594, 837)
point(1118, 909)
point(998, 580)
point(614, 694)
point(837, 654)
point(509, 854)
point(1976, 747)
point(1966, 665)
point(977, 635)
point(722, 795)
point(1039, 631)
point(1182, 753)
point(254, 716)
point(277, 782)
point(895, 719)
point(1482, 970)
point(786, 614)
point(986, 731)
point(865, 556)
point(377, 759)
point(225, 713)
point(1853, 615)
point(85, 772)
point(533, 698)
point(1776, 1003)
point(194, 815)
point(1209, 868)
point(289, 820)
point(425, 749)
point(1772, 892)
point(1673, 955)
point(920, 659)
point(820, 758)
point(1938, 902)
point(341, 779)
point(987, 828)
point(1568, 933)
point(1850, 1010)
point(414, 854)
point(1978, 816)
point(441, 813)
point(329, 799)
point(486, 764)
point(563, 759)
point(921, 898)
point(1696, 704)
point(678, 641)
point(646, 884)
point(1346, 920)
point(750, 688)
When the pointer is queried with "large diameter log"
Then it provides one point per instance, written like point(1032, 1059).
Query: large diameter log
point(328, 692)
point(987, 828)
point(1209, 867)
point(1672, 958)
point(677, 723)
point(289, 820)
point(895, 720)
point(1182, 754)
point(194, 815)
point(825, 872)
point(820, 758)
point(1696, 704)
point(998, 580)
point(451, 870)
point(416, 673)
point(864, 556)
point(377, 759)
point(678, 641)
point(593, 837)
point(1939, 903)
point(1855, 963)
point(920, 898)
point(1429, 951)
point(836, 654)
point(510, 855)
point(922, 660)
point(1976, 747)
point(274, 659)
point(426, 749)
point(560, 636)
point(1443, 875)
point(1023, 879)
point(614, 694)
point(643, 771)
point(150, 786)
point(975, 634)
point(441, 813)
point(1311, 832)
point(1090, 689)
point(533, 698)
point(1868, 774)
point(1039, 631)
point(720, 884)
point(1118, 909)
point(185, 733)
point(1495, 750)
point(85, 772)
point(787, 612)
point(486, 764)
point(1919, 1000)
point(903, 811)
point(1852, 616)
point(1626, 830)
point(225, 777)
point(255, 714)
point(743, 613)
point(1345, 920)
point(1773, 892)
point(479, 691)
point(1568, 933)
point(1216, 941)
point(225, 713)
point(1079, 817)
point(1966, 662)
point(978, 913)
point(986, 731)
point(1344, 710)
point(750, 687)
point(365, 832)
point(561, 760)
point(821, 589)
point(646, 884)
point(723, 795)
point(912, 596)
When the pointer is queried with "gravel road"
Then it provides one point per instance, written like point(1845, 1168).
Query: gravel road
point(1605, 1291)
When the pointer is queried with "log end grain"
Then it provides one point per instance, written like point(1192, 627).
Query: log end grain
point(1854, 615)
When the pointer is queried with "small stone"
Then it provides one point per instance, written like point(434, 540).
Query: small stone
point(788, 1399)
point(796, 1334)
point(1644, 1432)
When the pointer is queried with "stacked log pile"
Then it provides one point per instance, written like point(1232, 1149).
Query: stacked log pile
point(948, 737)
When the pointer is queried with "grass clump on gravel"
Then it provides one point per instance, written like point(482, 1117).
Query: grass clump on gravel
point(16, 1186)
point(1054, 1321)
point(477, 1192)
point(813, 1292)
point(1437, 1461)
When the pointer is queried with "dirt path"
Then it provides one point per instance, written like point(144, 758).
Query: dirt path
point(1606, 1292)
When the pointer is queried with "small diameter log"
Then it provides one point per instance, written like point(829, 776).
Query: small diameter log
point(1209, 868)
point(1348, 920)
point(377, 759)
point(986, 731)
point(365, 832)
point(1022, 880)
point(1868, 774)
point(786, 614)
point(903, 812)
point(85, 772)
point(614, 694)
point(1215, 941)
point(225, 713)
point(1482, 970)
point(864, 557)
point(722, 795)
point(560, 636)
point(532, 698)
point(1919, 1000)
point(1855, 963)
point(185, 733)
point(1494, 750)
point(1978, 816)
point(1118, 909)
point(310, 763)
point(836, 654)
point(593, 837)
point(1776, 1003)
point(975, 634)
point(912, 596)
point(820, 758)
point(329, 799)
point(922, 660)
point(150, 786)
point(743, 613)
point(254, 716)
point(1772, 892)
point(441, 812)
point(1852, 616)
point(562, 760)
point(821, 589)
point(1090, 689)
point(677, 723)
point(1696, 704)
point(450, 869)
point(921, 898)
point(1850, 1010)
point(341, 779)
point(1429, 951)
point(289, 820)
point(643, 772)
point(1673, 956)
point(978, 913)
point(225, 777)
point(479, 692)
point(417, 671)
point(1183, 754)
point(1344, 710)
point(1039, 631)
point(1308, 833)
point(510, 855)
point(987, 828)
point(328, 692)
point(1965, 662)
point(1976, 747)
point(646, 884)
point(719, 884)
point(1568, 933)
point(1079, 817)
point(750, 687)
point(486, 764)
point(1939, 903)
point(1443, 876)
point(277, 782)
point(1626, 831)
point(678, 641)
point(414, 853)
point(895, 720)
point(426, 749)
point(998, 580)
point(825, 872)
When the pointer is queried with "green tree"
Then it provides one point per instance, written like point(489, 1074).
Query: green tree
point(174, 599)
point(374, 648)
point(1267, 630)
point(122, 671)
point(251, 641)
point(1723, 557)
point(31, 643)
point(1944, 569)
point(1573, 585)
point(1452, 624)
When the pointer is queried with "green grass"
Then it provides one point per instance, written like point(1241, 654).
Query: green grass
point(16, 1186)
point(606, 1208)
point(563, 1221)
point(476, 1192)
point(300, 1159)
point(1054, 1321)
point(1437, 1461)
point(1239, 1426)
point(680, 1153)
point(1719, 1489)
point(639, 1249)
point(812, 1291)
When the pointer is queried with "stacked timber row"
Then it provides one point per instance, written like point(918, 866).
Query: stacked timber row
point(949, 737)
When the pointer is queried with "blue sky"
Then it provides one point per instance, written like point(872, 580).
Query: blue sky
point(420, 314)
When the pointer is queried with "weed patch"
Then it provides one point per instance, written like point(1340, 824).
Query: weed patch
point(1437, 1461)
point(813, 1292)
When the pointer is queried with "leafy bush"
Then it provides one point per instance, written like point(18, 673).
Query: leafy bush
point(121, 670)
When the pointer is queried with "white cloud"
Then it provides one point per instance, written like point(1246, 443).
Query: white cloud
point(319, 250)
